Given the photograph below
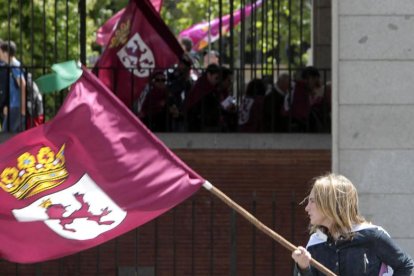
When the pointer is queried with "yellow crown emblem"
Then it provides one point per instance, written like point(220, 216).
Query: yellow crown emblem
point(34, 174)
point(121, 35)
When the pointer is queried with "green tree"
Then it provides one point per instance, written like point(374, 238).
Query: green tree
point(48, 31)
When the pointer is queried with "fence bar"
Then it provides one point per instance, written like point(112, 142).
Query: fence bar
point(193, 224)
point(272, 261)
point(78, 266)
point(55, 52)
point(253, 39)
point(293, 205)
point(136, 249)
point(156, 247)
point(82, 34)
point(116, 257)
point(231, 42)
point(254, 236)
point(220, 41)
point(301, 44)
point(60, 267)
point(32, 33)
point(98, 257)
point(211, 235)
point(174, 242)
point(67, 30)
point(44, 34)
point(278, 56)
point(38, 268)
point(21, 33)
point(233, 243)
point(263, 40)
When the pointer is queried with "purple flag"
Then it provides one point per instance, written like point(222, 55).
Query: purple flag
point(140, 43)
point(90, 174)
point(199, 33)
point(105, 31)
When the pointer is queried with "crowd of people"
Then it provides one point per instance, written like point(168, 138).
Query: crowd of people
point(17, 92)
point(12, 89)
point(199, 98)
point(196, 95)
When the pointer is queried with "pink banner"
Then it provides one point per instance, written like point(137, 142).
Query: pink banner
point(199, 33)
point(105, 31)
point(141, 43)
point(91, 174)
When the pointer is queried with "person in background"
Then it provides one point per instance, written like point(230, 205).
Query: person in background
point(211, 57)
point(227, 101)
point(341, 239)
point(15, 113)
point(203, 102)
point(34, 105)
point(274, 119)
point(324, 108)
point(187, 45)
point(151, 106)
point(302, 101)
point(179, 84)
point(251, 107)
point(3, 88)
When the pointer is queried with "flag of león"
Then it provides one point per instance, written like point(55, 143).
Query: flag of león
point(105, 31)
point(90, 174)
point(140, 43)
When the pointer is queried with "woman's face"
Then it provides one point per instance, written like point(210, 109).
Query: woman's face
point(315, 214)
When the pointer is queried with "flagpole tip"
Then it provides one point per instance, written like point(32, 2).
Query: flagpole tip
point(208, 185)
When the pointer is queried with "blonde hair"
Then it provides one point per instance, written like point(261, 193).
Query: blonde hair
point(337, 198)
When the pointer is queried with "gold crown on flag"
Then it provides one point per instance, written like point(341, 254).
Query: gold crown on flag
point(34, 174)
point(121, 35)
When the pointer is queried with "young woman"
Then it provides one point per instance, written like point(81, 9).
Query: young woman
point(342, 240)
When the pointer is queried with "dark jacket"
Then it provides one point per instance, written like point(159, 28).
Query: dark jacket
point(3, 85)
point(363, 254)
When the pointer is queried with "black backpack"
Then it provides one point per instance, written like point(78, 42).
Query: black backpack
point(34, 98)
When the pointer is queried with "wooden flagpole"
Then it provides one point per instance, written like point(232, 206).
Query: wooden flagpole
point(281, 240)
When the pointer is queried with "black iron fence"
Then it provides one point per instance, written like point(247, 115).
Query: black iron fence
point(272, 40)
point(201, 236)
point(269, 114)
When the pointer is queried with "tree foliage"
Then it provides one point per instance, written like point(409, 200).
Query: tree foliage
point(47, 31)
point(277, 32)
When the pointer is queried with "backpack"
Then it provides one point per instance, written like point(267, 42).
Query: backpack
point(34, 98)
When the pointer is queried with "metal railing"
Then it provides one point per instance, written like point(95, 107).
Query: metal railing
point(273, 39)
point(201, 236)
point(52, 103)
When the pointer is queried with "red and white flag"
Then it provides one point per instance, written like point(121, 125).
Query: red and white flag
point(90, 174)
point(140, 43)
point(105, 31)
